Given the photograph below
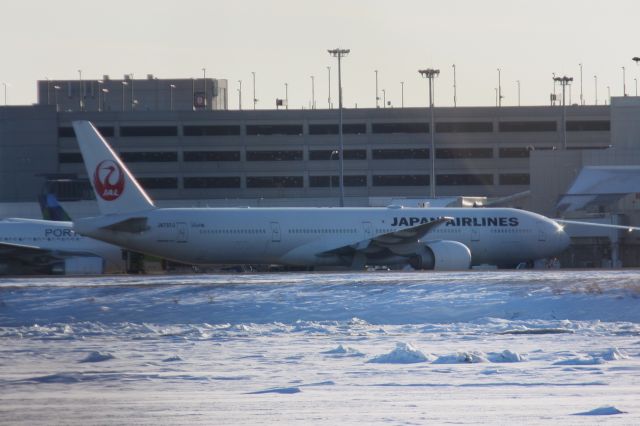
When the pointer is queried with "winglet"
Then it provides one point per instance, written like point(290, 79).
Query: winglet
point(117, 191)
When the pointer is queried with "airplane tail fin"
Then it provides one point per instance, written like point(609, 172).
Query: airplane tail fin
point(51, 208)
point(117, 191)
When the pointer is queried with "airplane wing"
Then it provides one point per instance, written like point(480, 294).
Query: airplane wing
point(26, 252)
point(384, 241)
point(21, 248)
point(600, 225)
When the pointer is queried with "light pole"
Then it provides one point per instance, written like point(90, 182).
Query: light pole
point(455, 88)
point(499, 89)
point(100, 95)
point(553, 98)
point(124, 84)
point(133, 102)
point(595, 78)
point(431, 74)
point(104, 97)
point(377, 97)
point(329, 97)
point(339, 53)
point(581, 98)
point(171, 87)
point(636, 81)
point(55, 95)
point(286, 95)
point(402, 94)
point(204, 83)
point(255, 100)
point(313, 93)
point(636, 60)
point(48, 91)
point(240, 95)
point(518, 81)
point(624, 82)
point(80, 91)
point(564, 81)
point(384, 98)
point(334, 152)
point(609, 94)
point(5, 93)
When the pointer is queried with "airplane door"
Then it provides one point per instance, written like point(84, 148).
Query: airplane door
point(366, 227)
point(542, 236)
point(275, 232)
point(182, 232)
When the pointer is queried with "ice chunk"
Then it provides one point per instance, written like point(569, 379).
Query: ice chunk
point(472, 357)
point(613, 354)
point(97, 357)
point(290, 390)
point(538, 331)
point(602, 411)
point(343, 351)
point(404, 353)
point(507, 356)
point(172, 359)
point(591, 360)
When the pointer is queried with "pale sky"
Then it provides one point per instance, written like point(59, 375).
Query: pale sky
point(287, 41)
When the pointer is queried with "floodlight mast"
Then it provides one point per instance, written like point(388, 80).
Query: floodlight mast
point(430, 74)
point(340, 53)
point(564, 81)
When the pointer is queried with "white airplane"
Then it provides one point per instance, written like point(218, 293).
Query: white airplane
point(433, 238)
point(47, 246)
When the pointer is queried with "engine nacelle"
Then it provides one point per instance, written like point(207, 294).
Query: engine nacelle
point(442, 256)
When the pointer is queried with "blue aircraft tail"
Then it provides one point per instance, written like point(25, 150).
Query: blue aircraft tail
point(51, 209)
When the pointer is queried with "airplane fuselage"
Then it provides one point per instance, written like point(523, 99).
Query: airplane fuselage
point(296, 236)
point(59, 240)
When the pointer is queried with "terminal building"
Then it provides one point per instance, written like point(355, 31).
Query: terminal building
point(188, 149)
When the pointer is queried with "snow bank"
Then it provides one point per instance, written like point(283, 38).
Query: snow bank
point(472, 357)
point(172, 359)
point(602, 411)
point(285, 391)
point(343, 351)
point(97, 357)
point(526, 330)
point(613, 354)
point(581, 360)
point(404, 353)
point(506, 356)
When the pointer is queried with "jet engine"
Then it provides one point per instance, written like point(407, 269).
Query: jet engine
point(442, 256)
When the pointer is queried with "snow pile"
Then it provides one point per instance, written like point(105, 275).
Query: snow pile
point(602, 411)
point(472, 357)
point(614, 354)
point(173, 358)
point(97, 357)
point(343, 351)
point(526, 330)
point(284, 391)
point(507, 356)
point(404, 353)
point(581, 360)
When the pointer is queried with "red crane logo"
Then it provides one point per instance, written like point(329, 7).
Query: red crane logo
point(108, 180)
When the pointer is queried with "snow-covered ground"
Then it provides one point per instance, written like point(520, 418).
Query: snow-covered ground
point(393, 348)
